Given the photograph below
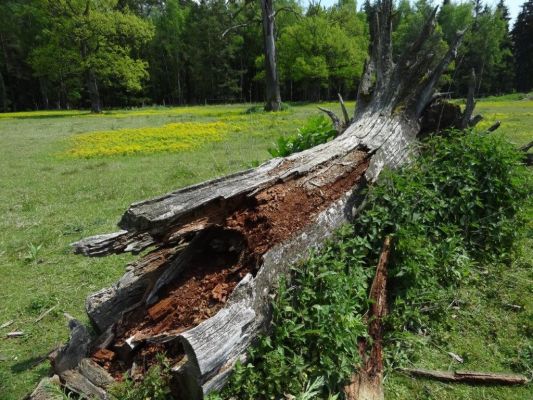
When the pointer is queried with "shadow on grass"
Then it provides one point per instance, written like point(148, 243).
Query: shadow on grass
point(81, 114)
point(29, 363)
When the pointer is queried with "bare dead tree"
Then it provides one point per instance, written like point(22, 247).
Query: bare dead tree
point(273, 97)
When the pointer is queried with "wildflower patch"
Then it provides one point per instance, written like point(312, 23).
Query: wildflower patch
point(176, 137)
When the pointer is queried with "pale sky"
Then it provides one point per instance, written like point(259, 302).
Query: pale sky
point(514, 5)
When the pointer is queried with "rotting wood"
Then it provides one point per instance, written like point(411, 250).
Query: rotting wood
point(488, 378)
point(247, 229)
point(43, 392)
point(367, 383)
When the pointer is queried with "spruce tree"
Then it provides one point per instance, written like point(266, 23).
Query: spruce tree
point(523, 47)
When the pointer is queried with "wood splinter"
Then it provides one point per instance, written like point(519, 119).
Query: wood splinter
point(488, 378)
point(367, 383)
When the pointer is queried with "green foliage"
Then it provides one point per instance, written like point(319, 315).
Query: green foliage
point(316, 322)
point(323, 49)
point(32, 252)
point(154, 386)
point(92, 36)
point(317, 130)
point(455, 205)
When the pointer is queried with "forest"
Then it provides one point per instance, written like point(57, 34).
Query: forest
point(70, 54)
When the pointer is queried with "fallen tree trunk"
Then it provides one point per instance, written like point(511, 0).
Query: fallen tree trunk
point(218, 249)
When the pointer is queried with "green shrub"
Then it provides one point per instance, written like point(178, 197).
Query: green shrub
point(317, 130)
point(452, 207)
point(154, 386)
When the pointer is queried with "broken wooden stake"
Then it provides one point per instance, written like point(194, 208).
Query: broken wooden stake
point(367, 383)
point(489, 378)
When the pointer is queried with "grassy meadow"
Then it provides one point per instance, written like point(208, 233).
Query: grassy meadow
point(65, 175)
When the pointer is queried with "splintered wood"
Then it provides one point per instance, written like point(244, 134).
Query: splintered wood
point(367, 383)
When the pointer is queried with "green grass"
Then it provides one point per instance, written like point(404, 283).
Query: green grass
point(48, 201)
point(484, 329)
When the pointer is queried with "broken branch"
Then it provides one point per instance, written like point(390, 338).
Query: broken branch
point(468, 376)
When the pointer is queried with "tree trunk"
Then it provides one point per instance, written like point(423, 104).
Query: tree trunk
point(94, 94)
point(3, 94)
point(44, 93)
point(218, 249)
point(273, 98)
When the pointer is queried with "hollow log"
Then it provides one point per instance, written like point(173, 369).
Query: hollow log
point(214, 252)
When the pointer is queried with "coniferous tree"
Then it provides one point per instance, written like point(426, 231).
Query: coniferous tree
point(523, 47)
point(503, 78)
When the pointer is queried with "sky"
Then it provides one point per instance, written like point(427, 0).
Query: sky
point(514, 5)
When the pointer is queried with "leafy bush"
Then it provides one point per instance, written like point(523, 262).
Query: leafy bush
point(455, 205)
point(154, 386)
point(317, 130)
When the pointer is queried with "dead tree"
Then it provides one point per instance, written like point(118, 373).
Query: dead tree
point(213, 253)
point(273, 98)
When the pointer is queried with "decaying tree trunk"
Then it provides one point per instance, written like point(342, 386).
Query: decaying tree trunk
point(214, 252)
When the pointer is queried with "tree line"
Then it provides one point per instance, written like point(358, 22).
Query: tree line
point(60, 54)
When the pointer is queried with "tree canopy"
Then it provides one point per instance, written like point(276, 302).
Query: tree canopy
point(111, 53)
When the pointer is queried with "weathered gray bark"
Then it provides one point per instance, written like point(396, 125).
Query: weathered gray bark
point(273, 97)
point(258, 222)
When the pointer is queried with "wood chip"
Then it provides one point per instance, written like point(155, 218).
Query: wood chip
point(6, 324)
point(455, 357)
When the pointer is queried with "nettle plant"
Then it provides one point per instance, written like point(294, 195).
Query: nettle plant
point(456, 205)
point(317, 130)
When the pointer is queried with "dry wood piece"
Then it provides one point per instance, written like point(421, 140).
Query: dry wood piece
point(367, 383)
point(526, 147)
point(490, 378)
point(42, 391)
point(15, 334)
point(44, 314)
point(6, 324)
